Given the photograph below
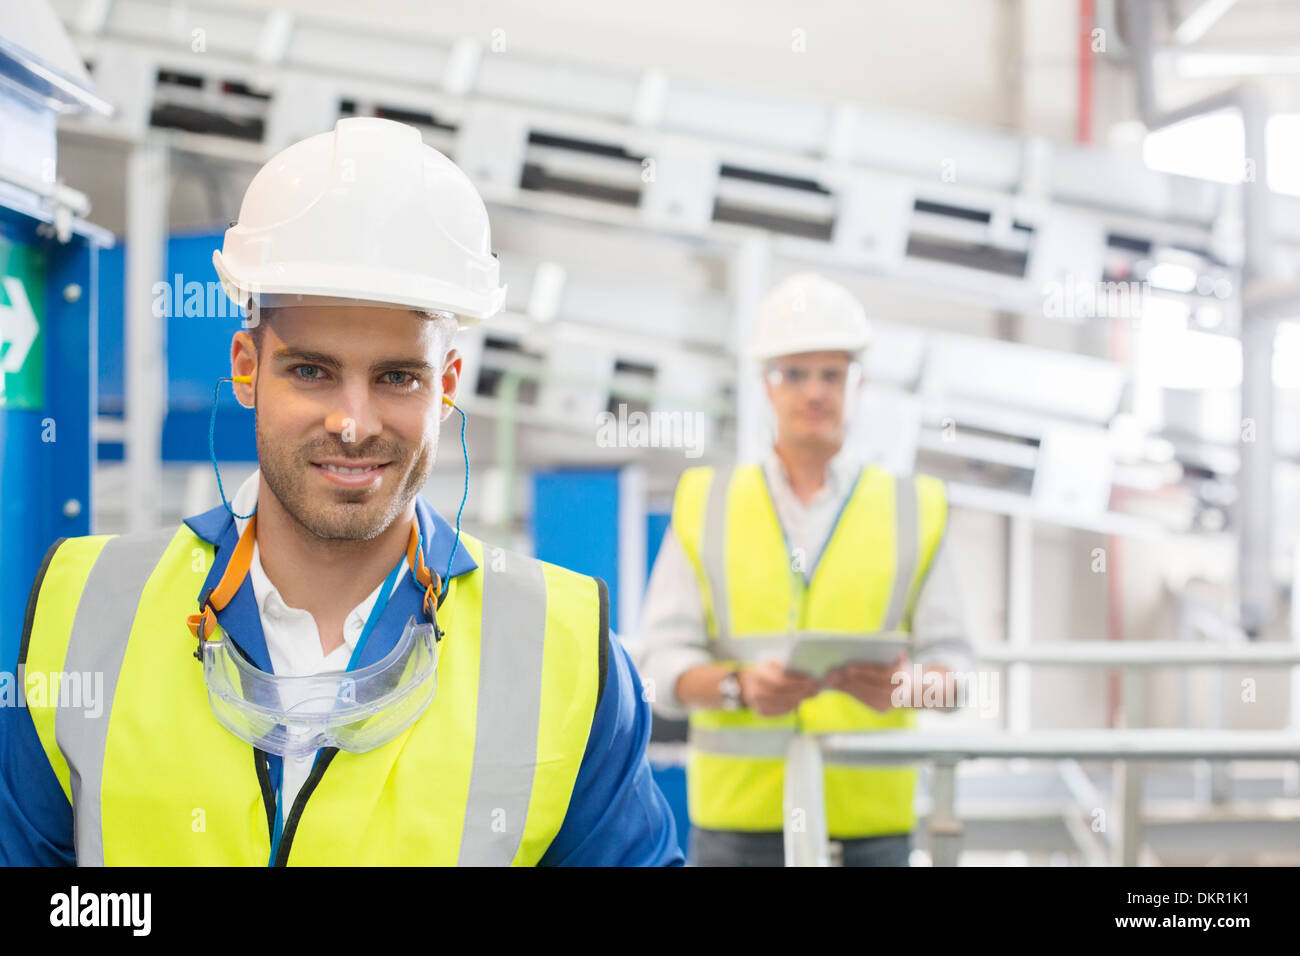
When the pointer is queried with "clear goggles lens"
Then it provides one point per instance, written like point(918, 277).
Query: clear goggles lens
point(794, 375)
point(354, 711)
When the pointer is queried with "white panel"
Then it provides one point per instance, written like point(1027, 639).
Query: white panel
point(576, 389)
point(886, 427)
point(871, 222)
point(302, 106)
point(1073, 386)
point(942, 149)
point(680, 187)
point(895, 354)
point(765, 121)
point(490, 147)
point(1069, 250)
point(125, 77)
point(687, 384)
point(555, 86)
point(34, 26)
point(1075, 469)
point(28, 144)
point(419, 60)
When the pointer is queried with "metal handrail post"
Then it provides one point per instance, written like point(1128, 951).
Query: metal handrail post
point(804, 810)
point(945, 826)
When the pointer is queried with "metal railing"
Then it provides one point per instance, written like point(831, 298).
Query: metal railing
point(806, 844)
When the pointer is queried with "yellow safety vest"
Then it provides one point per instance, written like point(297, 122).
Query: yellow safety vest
point(484, 777)
point(866, 580)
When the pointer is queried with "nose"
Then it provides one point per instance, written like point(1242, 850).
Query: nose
point(817, 388)
point(353, 418)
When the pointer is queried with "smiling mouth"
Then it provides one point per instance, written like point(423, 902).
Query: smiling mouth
point(356, 470)
point(352, 475)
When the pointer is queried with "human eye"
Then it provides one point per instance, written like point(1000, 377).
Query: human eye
point(399, 378)
point(307, 373)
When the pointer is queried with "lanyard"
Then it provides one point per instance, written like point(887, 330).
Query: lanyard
point(377, 611)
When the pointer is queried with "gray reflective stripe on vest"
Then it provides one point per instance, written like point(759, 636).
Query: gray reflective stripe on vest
point(509, 712)
point(772, 742)
point(713, 550)
point(738, 742)
point(907, 534)
point(101, 630)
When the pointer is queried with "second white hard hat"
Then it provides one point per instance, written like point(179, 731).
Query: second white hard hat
point(808, 313)
point(365, 212)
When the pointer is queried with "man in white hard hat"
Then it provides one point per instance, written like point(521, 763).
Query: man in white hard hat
point(808, 541)
point(323, 671)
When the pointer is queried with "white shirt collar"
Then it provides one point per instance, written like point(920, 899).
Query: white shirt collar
point(841, 471)
point(269, 602)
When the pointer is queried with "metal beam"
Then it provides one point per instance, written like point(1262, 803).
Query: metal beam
point(1197, 23)
point(1142, 654)
point(1142, 745)
point(148, 189)
point(1256, 597)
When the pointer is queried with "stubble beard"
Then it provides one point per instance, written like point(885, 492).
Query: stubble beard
point(342, 514)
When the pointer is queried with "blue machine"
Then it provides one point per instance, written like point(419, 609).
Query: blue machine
point(200, 324)
point(45, 423)
point(576, 525)
point(48, 291)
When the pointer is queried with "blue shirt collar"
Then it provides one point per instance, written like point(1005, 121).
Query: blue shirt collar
point(243, 623)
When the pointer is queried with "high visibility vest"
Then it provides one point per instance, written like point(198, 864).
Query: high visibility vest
point(752, 586)
point(484, 777)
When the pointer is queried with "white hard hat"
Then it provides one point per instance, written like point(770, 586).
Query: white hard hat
point(366, 212)
point(807, 313)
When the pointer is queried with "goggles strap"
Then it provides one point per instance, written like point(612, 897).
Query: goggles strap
point(428, 580)
point(205, 622)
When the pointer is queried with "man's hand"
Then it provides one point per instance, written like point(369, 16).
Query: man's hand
point(869, 683)
point(770, 690)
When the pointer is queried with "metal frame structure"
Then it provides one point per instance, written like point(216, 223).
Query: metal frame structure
point(806, 845)
point(980, 217)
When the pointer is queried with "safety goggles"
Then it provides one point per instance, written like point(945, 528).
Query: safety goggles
point(356, 711)
point(795, 376)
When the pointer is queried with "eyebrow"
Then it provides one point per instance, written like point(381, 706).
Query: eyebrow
point(289, 354)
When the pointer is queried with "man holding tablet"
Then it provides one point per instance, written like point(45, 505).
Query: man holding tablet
point(793, 563)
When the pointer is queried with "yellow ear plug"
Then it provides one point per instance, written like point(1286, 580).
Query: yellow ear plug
point(242, 379)
point(448, 401)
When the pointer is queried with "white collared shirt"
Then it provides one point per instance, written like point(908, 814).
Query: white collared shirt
point(292, 638)
point(674, 634)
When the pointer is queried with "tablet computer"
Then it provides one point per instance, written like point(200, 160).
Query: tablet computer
point(818, 654)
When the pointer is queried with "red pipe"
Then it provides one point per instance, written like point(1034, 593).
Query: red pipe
point(1083, 115)
point(1119, 351)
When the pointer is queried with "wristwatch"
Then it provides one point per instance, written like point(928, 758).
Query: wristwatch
point(729, 687)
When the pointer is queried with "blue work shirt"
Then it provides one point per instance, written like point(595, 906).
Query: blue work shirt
point(617, 815)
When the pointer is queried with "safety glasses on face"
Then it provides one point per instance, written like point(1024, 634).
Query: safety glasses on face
point(794, 375)
point(356, 711)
